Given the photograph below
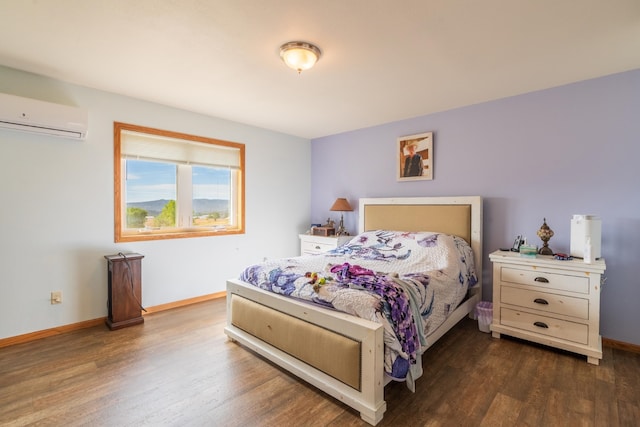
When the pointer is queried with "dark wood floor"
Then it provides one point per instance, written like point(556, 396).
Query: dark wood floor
point(178, 369)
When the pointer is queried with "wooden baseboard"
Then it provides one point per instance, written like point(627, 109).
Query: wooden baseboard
point(182, 303)
point(620, 345)
point(19, 339)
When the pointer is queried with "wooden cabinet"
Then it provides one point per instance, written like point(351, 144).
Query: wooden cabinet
point(124, 303)
point(310, 244)
point(551, 302)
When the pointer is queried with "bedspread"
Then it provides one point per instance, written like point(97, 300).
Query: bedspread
point(408, 282)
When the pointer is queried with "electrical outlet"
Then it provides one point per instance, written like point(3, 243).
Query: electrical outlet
point(56, 297)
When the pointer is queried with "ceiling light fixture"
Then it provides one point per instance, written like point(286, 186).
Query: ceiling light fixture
point(299, 56)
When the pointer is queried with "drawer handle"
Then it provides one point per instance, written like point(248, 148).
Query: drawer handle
point(541, 301)
point(541, 279)
point(317, 247)
point(541, 325)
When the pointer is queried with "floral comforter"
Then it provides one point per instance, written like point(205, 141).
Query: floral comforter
point(409, 282)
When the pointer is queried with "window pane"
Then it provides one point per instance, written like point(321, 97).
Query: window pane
point(211, 196)
point(150, 194)
point(170, 185)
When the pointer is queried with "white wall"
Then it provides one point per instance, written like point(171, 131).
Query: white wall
point(57, 210)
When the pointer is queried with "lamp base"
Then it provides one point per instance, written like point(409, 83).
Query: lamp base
point(545, 250)
point(341, 230)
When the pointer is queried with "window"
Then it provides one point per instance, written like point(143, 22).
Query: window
point(172, 185)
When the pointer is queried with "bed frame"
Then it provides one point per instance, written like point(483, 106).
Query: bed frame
point(340, 354)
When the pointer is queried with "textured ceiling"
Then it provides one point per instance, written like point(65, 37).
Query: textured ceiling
point(382, 60)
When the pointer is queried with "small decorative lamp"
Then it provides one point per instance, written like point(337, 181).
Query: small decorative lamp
point(545, 233)
point(341, 205)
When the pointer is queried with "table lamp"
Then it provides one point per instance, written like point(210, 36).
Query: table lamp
point(341, 205)
point(545, 233)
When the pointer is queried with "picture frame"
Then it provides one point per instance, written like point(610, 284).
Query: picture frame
point(415, 157)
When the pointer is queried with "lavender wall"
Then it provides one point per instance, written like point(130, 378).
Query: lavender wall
point(553, 153)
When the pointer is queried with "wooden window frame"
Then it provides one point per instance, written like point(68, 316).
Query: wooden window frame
point(123, 235)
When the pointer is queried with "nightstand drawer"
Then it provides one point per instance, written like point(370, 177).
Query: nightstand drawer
point(545, 301)
point(310, 245)
point(545, 325)
point(315, 247)
point(534, 277)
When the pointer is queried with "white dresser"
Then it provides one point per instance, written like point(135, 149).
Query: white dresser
point(310, 244)
point(551, 302)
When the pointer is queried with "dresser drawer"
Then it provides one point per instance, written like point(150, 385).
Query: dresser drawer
point(545, 325)
point(546, 301)
point(315, 247)
point(545, 279)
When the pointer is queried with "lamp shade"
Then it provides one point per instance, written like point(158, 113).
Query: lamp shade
point(341, 205)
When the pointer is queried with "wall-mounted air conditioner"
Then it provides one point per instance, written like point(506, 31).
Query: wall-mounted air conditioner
point(32, 115)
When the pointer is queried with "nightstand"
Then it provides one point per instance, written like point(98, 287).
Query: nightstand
point(551, 302)
point(310, 244)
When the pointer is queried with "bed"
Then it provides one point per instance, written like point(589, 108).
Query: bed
point(347, 356)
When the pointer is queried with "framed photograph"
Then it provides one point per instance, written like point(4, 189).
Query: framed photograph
point(415, 157)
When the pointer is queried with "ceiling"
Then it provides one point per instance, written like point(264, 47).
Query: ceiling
point(382, 60)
